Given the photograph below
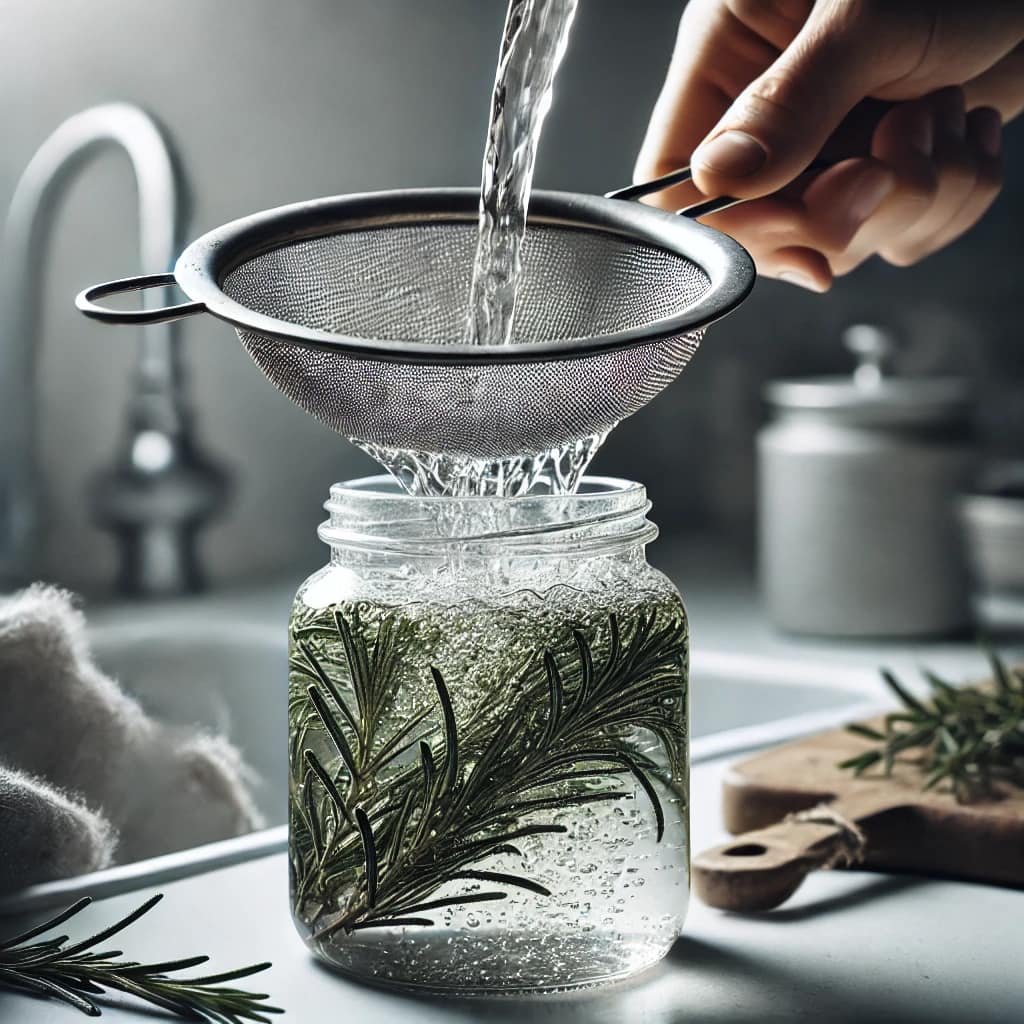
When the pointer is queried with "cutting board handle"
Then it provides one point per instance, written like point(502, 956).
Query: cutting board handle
point(761, 869)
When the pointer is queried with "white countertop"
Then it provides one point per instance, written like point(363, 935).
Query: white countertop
point(850, 946)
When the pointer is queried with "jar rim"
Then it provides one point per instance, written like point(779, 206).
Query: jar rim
point(383, 485)
point(375, 513)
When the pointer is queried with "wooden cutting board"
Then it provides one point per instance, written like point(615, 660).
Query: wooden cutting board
point(904, 829)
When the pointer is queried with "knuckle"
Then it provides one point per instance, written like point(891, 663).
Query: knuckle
point(774, 93)
point(881, 30)
point(899, 256)
point(917, 187)
point(847, 261)
point(746, 10)
point(829, 238)
point(770, 14)
point(847, 24)
point(864, 12)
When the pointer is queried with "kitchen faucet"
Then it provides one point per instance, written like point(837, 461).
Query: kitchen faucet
point(160, 489)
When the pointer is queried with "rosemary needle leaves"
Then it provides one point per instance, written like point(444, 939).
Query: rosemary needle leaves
point(73, 973)
point(969, 738)
point(384, 825)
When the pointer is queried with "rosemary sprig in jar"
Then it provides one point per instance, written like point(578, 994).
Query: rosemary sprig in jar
point(72, 973)
point(474, 789)
point(970, 738)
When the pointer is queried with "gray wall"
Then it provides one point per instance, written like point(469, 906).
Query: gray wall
point(271, 102)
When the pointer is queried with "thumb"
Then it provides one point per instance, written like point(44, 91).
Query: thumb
point(782, 119)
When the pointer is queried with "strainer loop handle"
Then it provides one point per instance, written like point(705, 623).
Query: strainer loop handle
point(86, 301)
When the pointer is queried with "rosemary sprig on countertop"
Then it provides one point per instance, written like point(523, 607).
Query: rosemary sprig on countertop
point(71, 972)
point(971, 737)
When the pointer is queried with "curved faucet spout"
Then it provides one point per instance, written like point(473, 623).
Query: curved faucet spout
point(156, 402)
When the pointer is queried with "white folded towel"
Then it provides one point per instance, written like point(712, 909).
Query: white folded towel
point(46, 834)
point(89, 763)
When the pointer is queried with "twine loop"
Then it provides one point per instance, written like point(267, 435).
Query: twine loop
point(852, 843)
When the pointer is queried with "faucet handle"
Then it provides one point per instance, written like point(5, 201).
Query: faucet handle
point(154, 499)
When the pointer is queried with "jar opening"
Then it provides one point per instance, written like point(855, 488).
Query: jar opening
point(374, 513)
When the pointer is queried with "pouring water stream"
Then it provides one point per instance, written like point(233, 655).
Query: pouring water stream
point(533, 44)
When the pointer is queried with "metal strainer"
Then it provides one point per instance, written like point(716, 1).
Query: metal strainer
point(355, 308)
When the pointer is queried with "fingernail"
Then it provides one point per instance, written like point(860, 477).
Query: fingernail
point(732, 154)
point(800, 279)
point(868, 193)
point(987, 128)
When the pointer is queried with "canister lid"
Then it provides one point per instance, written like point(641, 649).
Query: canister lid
point(869, 395)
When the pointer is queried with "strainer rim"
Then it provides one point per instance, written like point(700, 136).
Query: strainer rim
point(204, 265)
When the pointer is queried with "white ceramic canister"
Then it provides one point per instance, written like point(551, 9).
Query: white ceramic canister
point(857, 512)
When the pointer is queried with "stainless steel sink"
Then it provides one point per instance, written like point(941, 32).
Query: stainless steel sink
point(739, 701)
point(219, 666)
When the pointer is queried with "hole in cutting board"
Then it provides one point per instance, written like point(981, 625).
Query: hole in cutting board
point(746, 850)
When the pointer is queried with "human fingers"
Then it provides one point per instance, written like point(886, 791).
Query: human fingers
point(716, 54)
point(798, 235)
point(948, 171)
point(1001, 86)
point(904, 141)
point(779, 123)
point(844, 52)
point(773, 230)
point(984, 131)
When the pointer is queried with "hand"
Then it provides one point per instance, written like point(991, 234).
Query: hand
point(756, 90)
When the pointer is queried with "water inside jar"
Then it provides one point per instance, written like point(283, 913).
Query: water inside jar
point(509, 780)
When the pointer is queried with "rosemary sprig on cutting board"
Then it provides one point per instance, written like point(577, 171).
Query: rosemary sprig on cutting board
point(970, 738)
point(73, 972)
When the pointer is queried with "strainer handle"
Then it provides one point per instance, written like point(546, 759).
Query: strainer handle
point(681, 174)
point(86, 302)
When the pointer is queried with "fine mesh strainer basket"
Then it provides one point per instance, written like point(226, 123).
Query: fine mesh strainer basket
point(355, 307)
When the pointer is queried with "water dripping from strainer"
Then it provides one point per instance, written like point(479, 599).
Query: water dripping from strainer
point(558, 470)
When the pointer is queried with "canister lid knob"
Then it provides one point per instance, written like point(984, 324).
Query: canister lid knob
point(873, 346)
point(874, 394)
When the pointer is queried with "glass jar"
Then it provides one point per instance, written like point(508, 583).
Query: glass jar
point(488, 741)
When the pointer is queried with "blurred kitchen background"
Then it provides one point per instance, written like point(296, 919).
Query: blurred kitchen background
point(267, 103)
